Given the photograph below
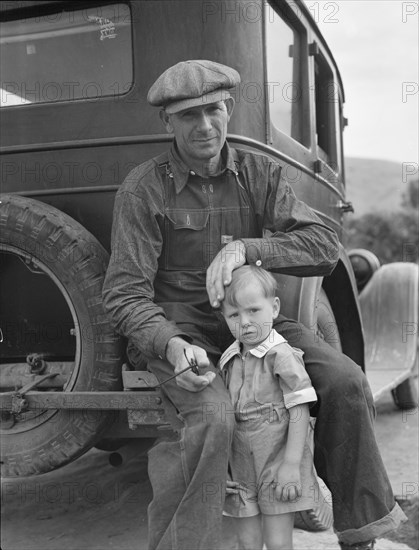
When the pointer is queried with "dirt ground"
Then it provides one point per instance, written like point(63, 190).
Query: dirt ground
point(90, 505)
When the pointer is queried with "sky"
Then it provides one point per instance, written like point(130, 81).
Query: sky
point(375, 44)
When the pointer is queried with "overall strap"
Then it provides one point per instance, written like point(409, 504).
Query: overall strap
point(166, 174)
point(241, 181)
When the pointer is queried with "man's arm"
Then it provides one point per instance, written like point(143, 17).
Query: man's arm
point(299, 243)
point(128, 291)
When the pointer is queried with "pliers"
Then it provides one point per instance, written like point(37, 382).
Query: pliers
point(192, 365)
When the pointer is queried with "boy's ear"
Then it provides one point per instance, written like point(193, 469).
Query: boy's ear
point(276, 307)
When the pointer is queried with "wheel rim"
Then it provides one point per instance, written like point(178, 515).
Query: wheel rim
point(32, 419)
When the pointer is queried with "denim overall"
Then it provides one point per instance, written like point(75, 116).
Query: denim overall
point(188, 474)
point(199, 220)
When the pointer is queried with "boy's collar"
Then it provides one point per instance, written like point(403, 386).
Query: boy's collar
point(272, 340)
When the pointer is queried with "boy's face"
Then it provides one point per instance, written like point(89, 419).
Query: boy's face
point(251, 320)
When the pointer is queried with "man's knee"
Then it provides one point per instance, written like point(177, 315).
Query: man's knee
point(348, 376)
point(210, 427)
point(344, 382)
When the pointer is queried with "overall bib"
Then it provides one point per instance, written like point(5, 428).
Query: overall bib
point(199, 221)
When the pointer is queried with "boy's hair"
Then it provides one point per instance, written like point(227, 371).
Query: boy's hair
point(246, 274)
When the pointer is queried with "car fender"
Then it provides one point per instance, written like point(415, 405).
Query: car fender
point(389, 305)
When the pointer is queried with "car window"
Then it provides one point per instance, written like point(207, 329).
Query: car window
point(66, 56)
point(326, 93)
point(285, 89)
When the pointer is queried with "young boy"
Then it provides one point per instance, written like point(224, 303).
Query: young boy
point(271, 465)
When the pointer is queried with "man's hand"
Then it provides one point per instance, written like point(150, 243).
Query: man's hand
point(232, 256)
point(288, 482)
point(176, 356)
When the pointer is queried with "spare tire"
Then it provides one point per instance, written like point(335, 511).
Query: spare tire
point(61, 253)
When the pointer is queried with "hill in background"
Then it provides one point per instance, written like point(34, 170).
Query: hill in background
point(374, 185)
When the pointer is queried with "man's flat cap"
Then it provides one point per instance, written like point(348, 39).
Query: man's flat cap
point(191, 83)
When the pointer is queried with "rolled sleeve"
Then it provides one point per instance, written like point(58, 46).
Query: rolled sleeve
point(293, 378)
point(298, 397)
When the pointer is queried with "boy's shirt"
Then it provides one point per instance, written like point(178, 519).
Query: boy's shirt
point(271, 374)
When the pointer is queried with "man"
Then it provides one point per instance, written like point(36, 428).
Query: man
point(182, 223)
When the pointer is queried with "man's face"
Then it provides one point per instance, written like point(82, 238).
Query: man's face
point(200, 132)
